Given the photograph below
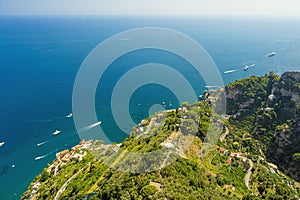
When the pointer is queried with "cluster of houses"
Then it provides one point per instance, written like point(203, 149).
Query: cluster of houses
point(140, 129)
point(77, 153)
point(232, 156)
point(271, 167)
point(34, 191)
point(145, 126)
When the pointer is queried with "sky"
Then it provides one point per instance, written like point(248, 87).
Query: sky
point(151, 7)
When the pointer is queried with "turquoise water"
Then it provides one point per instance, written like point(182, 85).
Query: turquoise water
point(40, 57)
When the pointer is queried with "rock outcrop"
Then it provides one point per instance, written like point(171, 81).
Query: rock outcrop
point(274, 103)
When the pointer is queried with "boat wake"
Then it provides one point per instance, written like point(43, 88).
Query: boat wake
point(89, 127)
point(245, 67)
point(46, 120)
point(210, 87)
point(57, 118)
point(40, 144)
point(54, 118)
point(51, 119)
point(44, 156)
point(40, 157)
point(40, 120)
point(230, 71)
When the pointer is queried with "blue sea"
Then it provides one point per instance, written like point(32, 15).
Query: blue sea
point(40, 57)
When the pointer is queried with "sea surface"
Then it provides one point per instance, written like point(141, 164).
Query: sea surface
point(40, 56)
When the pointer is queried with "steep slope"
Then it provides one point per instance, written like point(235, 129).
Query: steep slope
point(267, 108)
point(185, 165)
point(284, 148)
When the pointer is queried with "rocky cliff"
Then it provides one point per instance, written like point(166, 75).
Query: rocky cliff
point(259, 141)
point(273, 103)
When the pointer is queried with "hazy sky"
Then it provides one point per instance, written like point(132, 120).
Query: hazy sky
point(152, 7)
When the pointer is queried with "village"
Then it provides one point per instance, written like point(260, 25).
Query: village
point(77, 153)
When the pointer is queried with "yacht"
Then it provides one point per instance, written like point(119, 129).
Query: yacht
point(271, 54)
point(56, 132)
point(69, 115)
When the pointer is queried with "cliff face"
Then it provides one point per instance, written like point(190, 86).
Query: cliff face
point(288, 89)
point(248, 94)
point(264, 128)
point(274, 104)
point(286, 141)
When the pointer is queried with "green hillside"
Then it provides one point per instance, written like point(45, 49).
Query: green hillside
point(247, 160)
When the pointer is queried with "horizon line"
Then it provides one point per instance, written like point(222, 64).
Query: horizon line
point(152, 15)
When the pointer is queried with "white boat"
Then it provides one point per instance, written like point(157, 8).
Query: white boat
point(56, 132)
point(246, 67)
point(2, 143)
point(69, 115)
point(271, 54)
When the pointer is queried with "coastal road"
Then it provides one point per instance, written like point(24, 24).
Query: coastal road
point(62, 189)
point(223, 136)
point(248, 174)
point(249, 171)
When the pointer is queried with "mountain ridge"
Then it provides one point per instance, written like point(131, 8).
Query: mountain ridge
point(242, 164)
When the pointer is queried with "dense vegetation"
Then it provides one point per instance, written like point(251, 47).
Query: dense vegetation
point(270, 117)
point(183, 172)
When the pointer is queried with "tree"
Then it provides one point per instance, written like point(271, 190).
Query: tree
point(148, 190)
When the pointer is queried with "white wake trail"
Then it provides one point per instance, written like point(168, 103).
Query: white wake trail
point(44, 156)
point(230, 71)
point(40, 144)
point(89, 127)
